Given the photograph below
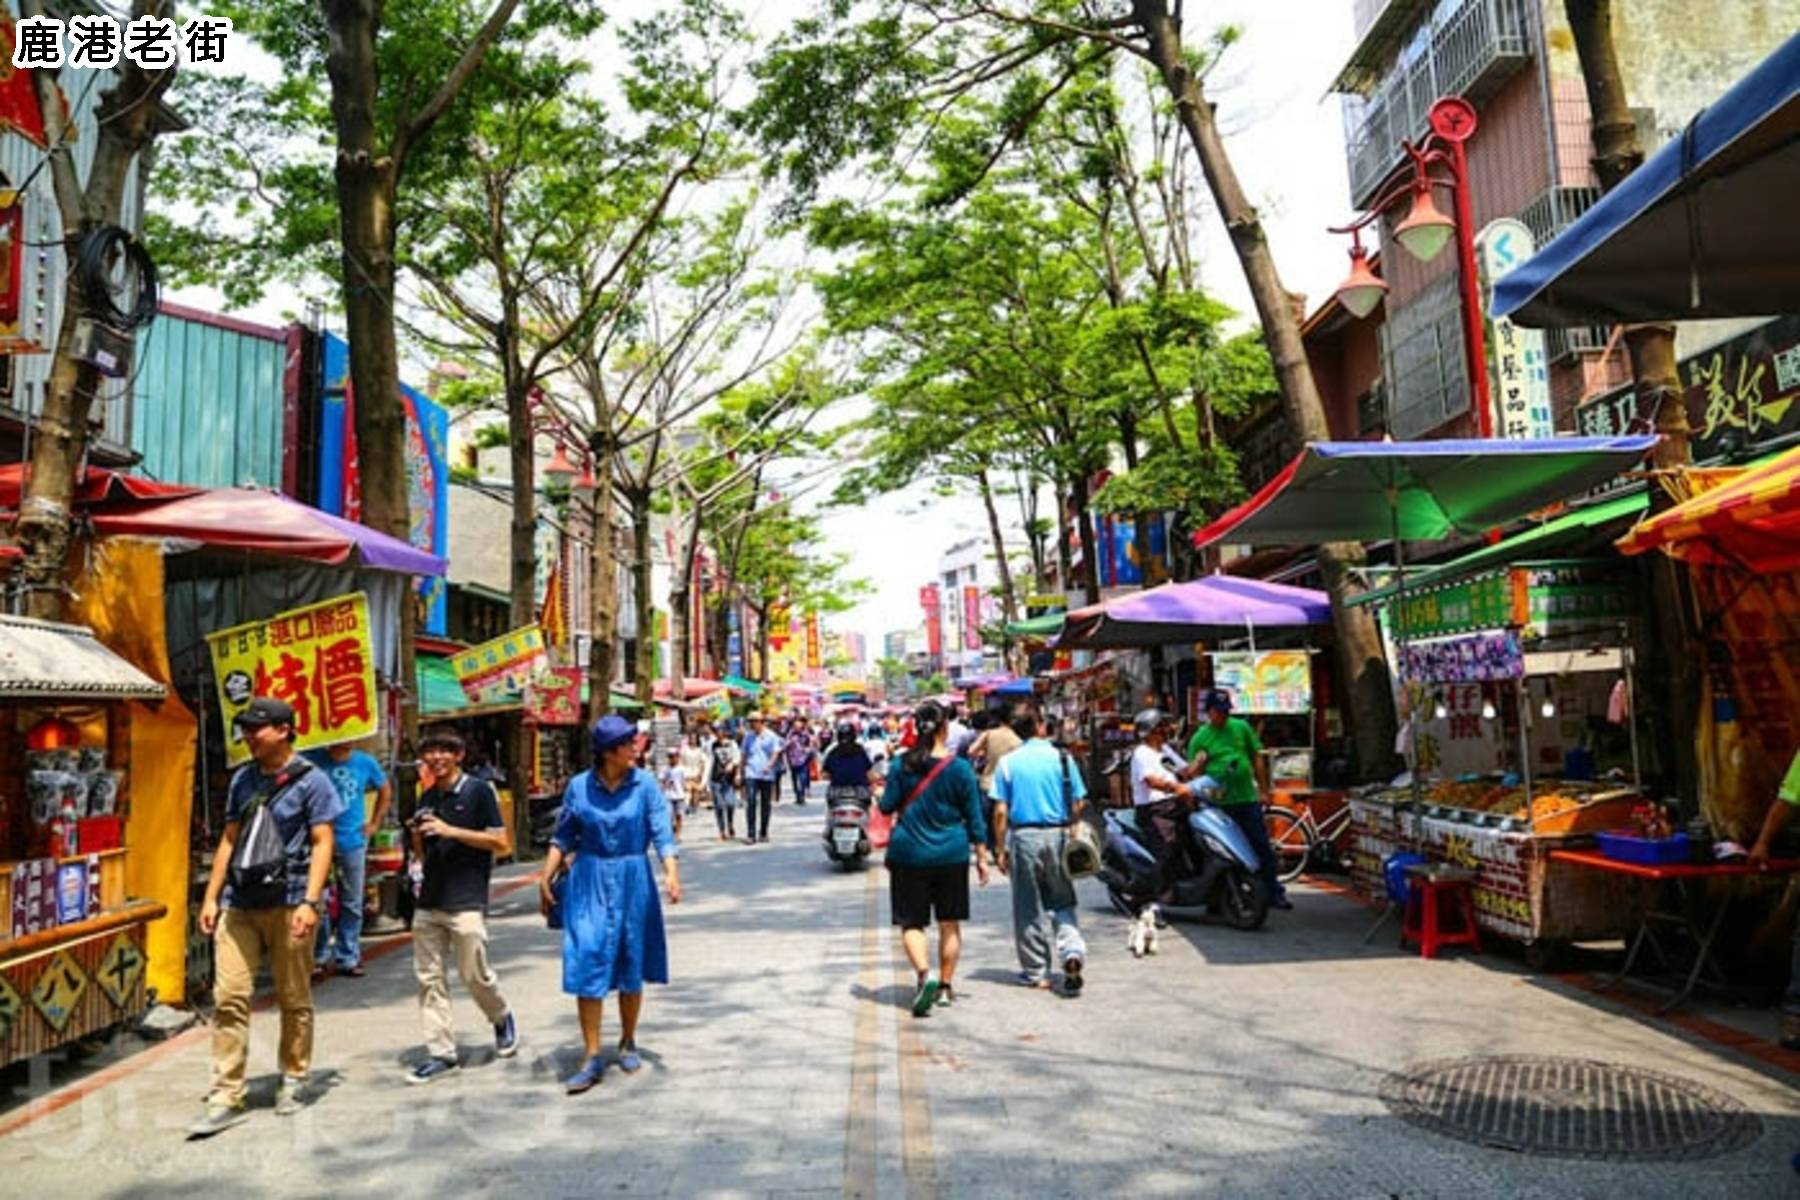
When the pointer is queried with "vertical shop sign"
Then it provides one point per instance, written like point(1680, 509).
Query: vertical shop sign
point(1519, 367)
point(971, 598)
point(814, 649)
point(934, 627)
point(427, 469)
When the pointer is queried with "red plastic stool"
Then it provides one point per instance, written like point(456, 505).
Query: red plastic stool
point(1433, 894)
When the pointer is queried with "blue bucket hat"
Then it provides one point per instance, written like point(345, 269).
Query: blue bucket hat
point(612, 730)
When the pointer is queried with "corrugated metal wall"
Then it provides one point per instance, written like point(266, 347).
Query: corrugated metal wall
point(44, 265)
point(208, 405)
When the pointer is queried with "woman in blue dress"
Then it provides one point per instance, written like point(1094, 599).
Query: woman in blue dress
point(612, 920)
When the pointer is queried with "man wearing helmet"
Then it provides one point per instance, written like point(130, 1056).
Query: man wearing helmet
point(1157, 791)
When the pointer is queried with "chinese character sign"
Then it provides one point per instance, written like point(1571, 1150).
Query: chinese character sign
point(554, 697)
point(814, 647)
point(317, 659)
point(971, 617)
point(498, 671)
point(1519, 369)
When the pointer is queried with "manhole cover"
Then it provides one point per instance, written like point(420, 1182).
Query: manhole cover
point(1570, 1108)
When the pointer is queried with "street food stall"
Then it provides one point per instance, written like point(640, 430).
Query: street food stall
point(72, 937)
point(1426, 491)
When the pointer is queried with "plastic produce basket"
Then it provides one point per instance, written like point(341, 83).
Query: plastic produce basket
point(1651, 852)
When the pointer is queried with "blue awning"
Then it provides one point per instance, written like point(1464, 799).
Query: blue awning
point(1702, 229)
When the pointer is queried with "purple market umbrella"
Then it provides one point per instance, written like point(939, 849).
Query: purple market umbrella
point(1214, 606)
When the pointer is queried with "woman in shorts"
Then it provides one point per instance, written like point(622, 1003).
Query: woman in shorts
point(936, 803)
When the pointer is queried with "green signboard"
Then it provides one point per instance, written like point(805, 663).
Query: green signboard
point(1484, 602)
point(1558, 600)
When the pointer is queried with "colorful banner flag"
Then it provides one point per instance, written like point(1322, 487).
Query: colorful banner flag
point(318, 659)
point(554, 617)
point(499, 670)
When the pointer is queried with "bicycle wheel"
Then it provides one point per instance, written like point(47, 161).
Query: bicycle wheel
point(1292, 839)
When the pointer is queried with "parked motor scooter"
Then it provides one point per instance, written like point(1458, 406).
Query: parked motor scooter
point(847, 825)
point(1212, 870)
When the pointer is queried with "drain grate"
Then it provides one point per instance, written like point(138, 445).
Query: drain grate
point(1570, 1108)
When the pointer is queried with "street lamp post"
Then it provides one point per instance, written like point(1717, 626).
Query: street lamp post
point(1424, 233)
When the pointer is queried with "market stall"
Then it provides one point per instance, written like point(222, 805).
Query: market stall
point(73, 941)
point(1473, 679)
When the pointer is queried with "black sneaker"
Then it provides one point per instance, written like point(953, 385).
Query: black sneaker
point(506, 1037)
point(1282, 902)
point(433, 1068)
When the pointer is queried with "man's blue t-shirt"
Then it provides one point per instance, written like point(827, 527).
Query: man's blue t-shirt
point(307, 801)
point(353, 778)
point(762, 754)
point(1029, 781)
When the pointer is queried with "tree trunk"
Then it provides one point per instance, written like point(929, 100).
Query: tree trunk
point(604, 565)
point(681, 631)
point(641, 567)
point(366, 180)
point(1082, 498)
point(1656, 380)
point(1617, 153)
point(126, 114)
point(1368, 704)
point(1064, 557)
point(1009, 596)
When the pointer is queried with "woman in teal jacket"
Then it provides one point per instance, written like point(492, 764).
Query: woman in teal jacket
point(939, 825)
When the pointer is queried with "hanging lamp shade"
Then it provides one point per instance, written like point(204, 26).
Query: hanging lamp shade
point(559, 469)
point(1362, 289)
point(1426, 230)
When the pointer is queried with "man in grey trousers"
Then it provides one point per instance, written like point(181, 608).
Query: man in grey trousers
point(1038, 793)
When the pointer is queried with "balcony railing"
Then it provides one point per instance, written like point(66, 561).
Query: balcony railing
point(1470, 52)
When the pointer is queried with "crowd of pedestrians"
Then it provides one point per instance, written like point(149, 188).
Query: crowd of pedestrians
point(991, 794)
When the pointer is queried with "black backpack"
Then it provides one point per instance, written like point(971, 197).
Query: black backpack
point(259, 860)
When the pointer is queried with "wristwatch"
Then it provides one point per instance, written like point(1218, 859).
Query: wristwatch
point(317, 906)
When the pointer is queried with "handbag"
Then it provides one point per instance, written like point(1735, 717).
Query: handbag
point(559, 889)
point(1081, 845)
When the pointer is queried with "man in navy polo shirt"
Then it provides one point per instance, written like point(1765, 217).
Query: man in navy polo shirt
point(277, 920)
point(1038, 793)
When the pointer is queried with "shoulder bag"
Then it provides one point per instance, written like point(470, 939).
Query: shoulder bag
point(259, 862)
point(1081, 845)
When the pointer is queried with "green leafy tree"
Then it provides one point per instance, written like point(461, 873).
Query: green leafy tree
point(873, 81)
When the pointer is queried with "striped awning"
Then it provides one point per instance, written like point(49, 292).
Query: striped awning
point(42, 660)
point(1752, 521)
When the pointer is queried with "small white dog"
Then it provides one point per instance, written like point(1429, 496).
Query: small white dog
point(1142, 938)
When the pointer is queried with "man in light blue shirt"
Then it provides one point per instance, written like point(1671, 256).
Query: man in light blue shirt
point(354, 773)
point(762, 760)
point(1038, 793)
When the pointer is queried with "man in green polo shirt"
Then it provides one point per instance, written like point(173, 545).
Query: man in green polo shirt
point(1776, 821)
point(1232, 754)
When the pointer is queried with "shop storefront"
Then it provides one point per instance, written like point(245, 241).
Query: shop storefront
point(73, 935)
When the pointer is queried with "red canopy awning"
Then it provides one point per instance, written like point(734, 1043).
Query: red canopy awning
point(97, 486)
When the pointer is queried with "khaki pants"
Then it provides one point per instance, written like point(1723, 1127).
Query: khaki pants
point(436, 935)
point(244, 936)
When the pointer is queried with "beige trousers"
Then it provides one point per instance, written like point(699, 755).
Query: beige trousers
point(436, 936)
point(244, 936)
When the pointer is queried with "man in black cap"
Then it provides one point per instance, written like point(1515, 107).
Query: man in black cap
point(263, 897)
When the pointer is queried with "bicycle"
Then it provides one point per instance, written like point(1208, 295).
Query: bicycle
point(1299, 837)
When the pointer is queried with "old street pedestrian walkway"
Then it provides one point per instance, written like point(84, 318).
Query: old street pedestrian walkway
point(780, 1064)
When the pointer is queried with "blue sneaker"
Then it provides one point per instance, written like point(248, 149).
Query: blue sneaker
point(506, 1037)
point(592, 1071)
point(433, 1068)
point(629, 1059)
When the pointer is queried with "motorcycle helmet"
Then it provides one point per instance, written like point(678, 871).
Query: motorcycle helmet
point(1149, 720)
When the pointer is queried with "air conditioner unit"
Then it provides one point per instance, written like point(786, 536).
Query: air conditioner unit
point(104, 348)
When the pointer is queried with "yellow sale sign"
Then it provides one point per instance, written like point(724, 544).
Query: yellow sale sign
point(317, 659)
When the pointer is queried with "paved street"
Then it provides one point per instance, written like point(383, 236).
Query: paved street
point(780, 1064)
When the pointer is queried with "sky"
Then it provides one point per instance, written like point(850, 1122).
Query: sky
point(1285, 136)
